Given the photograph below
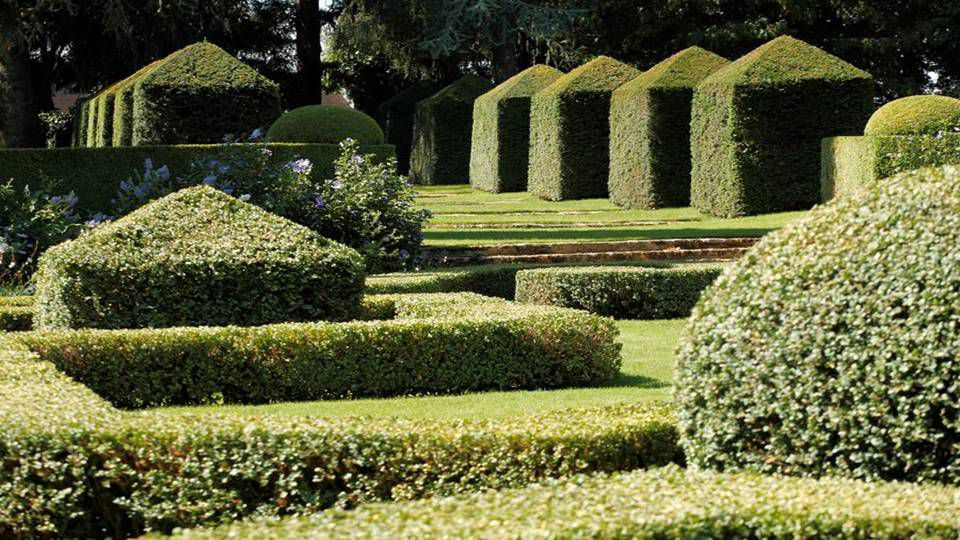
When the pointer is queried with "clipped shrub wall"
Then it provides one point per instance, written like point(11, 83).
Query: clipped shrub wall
point(396, 118)
point(831, 347)
point(94, 174)
point(621, 292)
point(14, 317)
point(497, 280)
point(662, 503)
point(442, 127)
point(329, 124)
point(90, 139)
point(196, 257)
point(916, 115)
point(197, 95)
point(499, 151)
point(570, 131)
point(123, 106)
point(756, 127)
point(850, 163)
point(650, 131)
point(470, 343)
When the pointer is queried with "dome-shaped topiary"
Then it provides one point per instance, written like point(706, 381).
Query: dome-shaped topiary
point(916, 115)
point(833, 346)
point(325, 124)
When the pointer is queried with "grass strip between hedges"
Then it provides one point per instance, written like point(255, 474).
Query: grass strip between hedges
point(662, 503)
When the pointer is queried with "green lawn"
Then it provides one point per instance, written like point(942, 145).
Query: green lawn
point(461, 213)
point(646, 375)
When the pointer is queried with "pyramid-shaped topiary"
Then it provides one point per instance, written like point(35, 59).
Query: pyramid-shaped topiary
point(442, 127)
point(650, 131)
point(570, 131)
point(197, 95)
point(499, 152)
point(197, 257)
point(396, 118)
point(756, 127)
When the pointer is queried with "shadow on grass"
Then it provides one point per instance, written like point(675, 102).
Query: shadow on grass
point(636, 381)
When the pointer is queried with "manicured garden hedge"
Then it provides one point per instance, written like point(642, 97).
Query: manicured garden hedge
point(442, 127)
point(197, 257)
point(662, 503)
point(756, 127)
point(197, 95)
point(75, 467)
point(499, 152)
point(94, 174)
point(625, 292)
point(396, 118)
point(916, 115)
point(469, 343)
point(325, 124)
point(570, 131)
point(850, 163)
point(123, 106)
point(832, 347)
point(650, 131)
point(15, 317)
point(498, 280)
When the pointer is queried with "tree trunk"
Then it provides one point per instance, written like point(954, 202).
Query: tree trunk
point(308, 87)
point(22, 98)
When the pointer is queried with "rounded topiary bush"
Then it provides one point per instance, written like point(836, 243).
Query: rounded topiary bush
point(325, 124)
point(916, 115)
point(833, 346)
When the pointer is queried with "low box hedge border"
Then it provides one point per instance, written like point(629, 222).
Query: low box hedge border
point(15, 318)
point(437, 344)
point(94, 174)
point(624, 292)
point(73, 466)
point(663, 503)
point(849, 163)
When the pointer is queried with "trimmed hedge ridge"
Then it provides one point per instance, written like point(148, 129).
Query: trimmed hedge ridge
point(662, 503)
point(621, 292)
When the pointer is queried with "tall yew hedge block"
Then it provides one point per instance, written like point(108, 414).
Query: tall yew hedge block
point(197, 95)
point(499, 152)
point(123, 107)
point(396, 118)
point(570, 130)
point(650, 131)
point(442, 127)
point(756, 127)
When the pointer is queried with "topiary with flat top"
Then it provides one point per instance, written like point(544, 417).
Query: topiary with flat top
point(499, 152)
point(916, 115)
point(197, 257)
point(833, 346)
point(756, 127)
point(650, 131)
point(396, 118)
point(442, 128)
point(570, 130)
point(197, 95)
point(325, 124)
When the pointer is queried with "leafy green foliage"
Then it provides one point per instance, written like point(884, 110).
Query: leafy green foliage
point(625, 292)
point(569, 131)
point(197, 94)
point(916, 115)
point(324, 124)
point(650, 131)
point(499, 151)
point(663, 503)
point(850, 163)
point(197, 257)
point(396, 117)
point(442, 127)
point(15, 317)
point(497, 280)
point(467, 343)
point(831, 347)
point(122, 114)
point(756, 127)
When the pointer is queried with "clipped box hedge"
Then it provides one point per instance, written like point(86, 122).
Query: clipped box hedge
point(851, 163)
point(73, 466)
point(196, 257)
point(442, 127)
point(756, 127)
point(14, 317)
point(497, 280)
point(500, 147)
point(663, 503)
point(650, 131)
point(469, 343)
point(625, 292)
point(570, 131)
point(94, 174)
point(122, 122)
point(396, 118)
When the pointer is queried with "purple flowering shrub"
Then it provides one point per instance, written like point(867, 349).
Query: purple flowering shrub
point(366, 205)
point(30, 222)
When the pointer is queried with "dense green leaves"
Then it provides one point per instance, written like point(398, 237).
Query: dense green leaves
point(832, 346)
point(325, 124)
point(916, 115)
point(197, 257)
